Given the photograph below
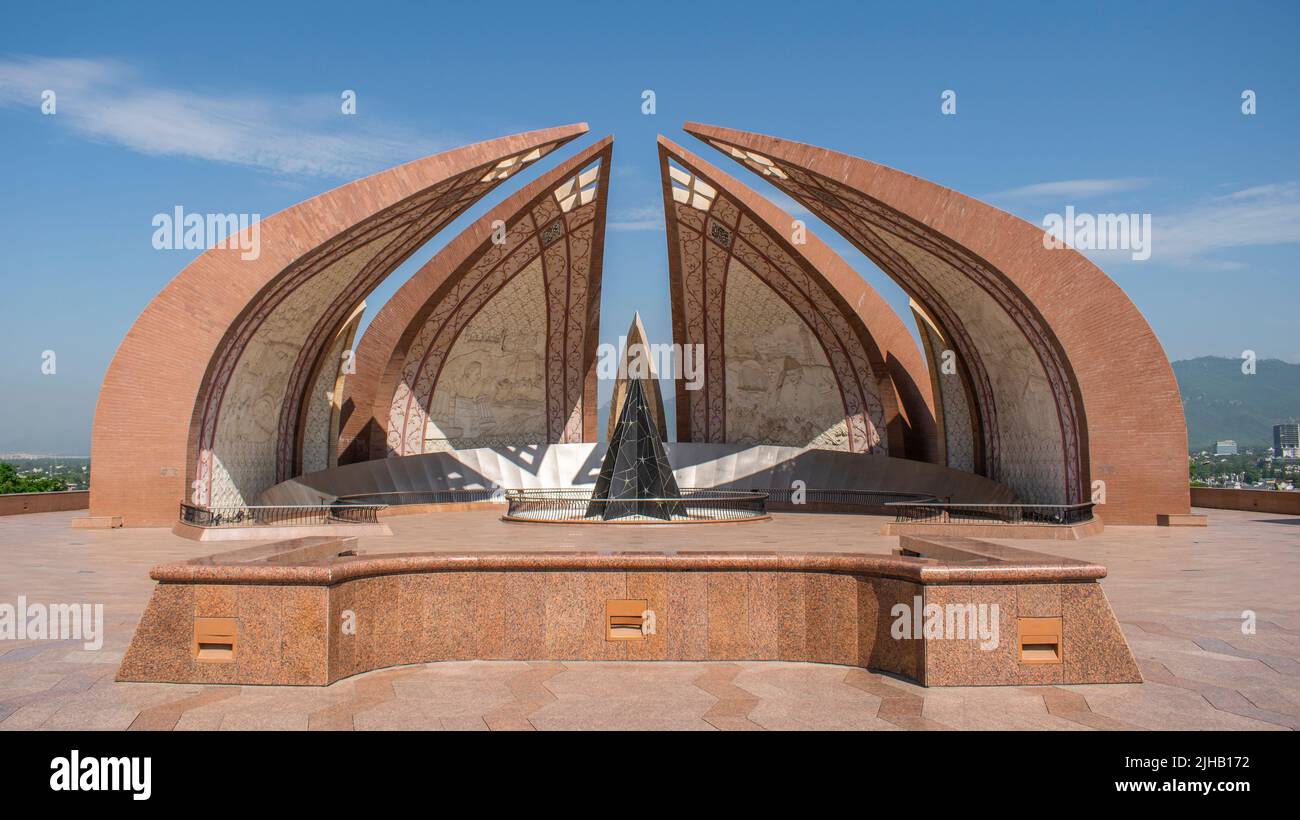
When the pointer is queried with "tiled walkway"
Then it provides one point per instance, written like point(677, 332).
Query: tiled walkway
point(1180, 595)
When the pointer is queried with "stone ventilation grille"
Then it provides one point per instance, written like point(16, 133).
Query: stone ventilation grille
point(578, 190)
point(758, 162)
point(510, 165)
point(689, 189)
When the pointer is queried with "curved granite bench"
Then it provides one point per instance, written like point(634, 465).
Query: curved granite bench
point(943, 611)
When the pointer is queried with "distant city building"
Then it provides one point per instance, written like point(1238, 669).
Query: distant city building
point(1225, 448)
point(1286, 440)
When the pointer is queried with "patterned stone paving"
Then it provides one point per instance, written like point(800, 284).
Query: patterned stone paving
point(1179, 595)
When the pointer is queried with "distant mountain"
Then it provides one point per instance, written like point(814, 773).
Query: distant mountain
point(1221, 402)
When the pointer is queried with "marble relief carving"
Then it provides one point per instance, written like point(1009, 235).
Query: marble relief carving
point(780, 387)
point(1044, 461)
point(954, 408)
point(240, 460)
point(715, 235)
point(1029, 433)
point(491, 389)
point(317, 442)
point(249, 419)
point(551, 248)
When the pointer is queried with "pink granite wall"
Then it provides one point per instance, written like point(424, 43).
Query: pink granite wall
point(1093, 647)
point(1287, 503)
point(290, 634)
point(22, 503)
point(282, 637)
point(821, 617)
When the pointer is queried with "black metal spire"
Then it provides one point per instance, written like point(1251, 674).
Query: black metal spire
point(635, 467)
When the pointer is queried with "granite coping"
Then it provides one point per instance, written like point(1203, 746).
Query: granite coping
point(326, 561)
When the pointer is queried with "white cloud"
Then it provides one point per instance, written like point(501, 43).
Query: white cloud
point(1260, 215)
point(1077, 188)
point(107, 100)
point(1198, 234)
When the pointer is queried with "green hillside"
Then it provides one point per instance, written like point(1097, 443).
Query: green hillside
point(1221, 402)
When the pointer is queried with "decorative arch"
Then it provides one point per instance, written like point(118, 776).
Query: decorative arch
point(517, 297)
point(205, 398)
point(780, 319)
point(319, 427)
point(1070, 386)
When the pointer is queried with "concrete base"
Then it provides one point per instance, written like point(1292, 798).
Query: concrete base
point(1182, 520)
point(275, 533)
point(1072, 532)
point(97, 522)
point(277, 609)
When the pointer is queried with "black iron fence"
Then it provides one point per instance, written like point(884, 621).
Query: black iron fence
point(1001, 514)
point(576, 505)
point(868, 500)
point(281, 516)
point(407, 497)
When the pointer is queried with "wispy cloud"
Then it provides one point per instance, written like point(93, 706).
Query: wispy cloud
point(1260, 215)
point(1203, 234)
point(649, 218)
point(1076, 188)
point(110, 101)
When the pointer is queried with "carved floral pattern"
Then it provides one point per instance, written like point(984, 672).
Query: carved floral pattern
point(1039, 466)
point(247, 439)
point(733, 235)
point(562, 243)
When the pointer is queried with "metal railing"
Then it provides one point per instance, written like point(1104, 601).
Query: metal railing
point(999, 514)
point(401, 498)
point(576, 505)
point(867, 499)
point(282, 515)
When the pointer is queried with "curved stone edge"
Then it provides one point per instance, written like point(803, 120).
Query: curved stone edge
point(309, 611)
point(368, 392)
point(1136, 435)
point(294, 635)
point(904, 381)
point(331, 571)
point(328, 371)
point(144, 417)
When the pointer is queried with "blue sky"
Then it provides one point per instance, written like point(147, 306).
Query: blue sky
point(1121, 108)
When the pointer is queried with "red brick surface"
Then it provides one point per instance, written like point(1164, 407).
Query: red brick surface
point(368, 394)
point(141, 439)
point(1287, 503)
point(19, 503)
point(1136, 436)
point(904, 382)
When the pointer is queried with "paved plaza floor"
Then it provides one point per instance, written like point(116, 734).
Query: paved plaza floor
point(1180, 594)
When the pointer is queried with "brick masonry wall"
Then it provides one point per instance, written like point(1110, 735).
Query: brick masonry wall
point(1287, 503)
point(368, 393)
point(141, 440)
point(1136, 433)
point(21, 503)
